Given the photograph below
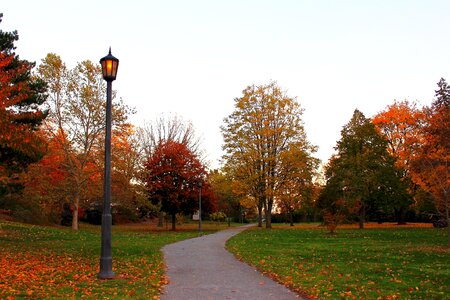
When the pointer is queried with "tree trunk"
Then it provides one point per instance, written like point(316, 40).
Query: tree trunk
point(305, 217)
point(241, 215)
point(291, 218)
point(75, 212)
point(259, 215)
point(268, 220)
point(161, 219)
point(269, 216)
point(448, 218)
point(362, 216)
point(400, 214)
point(174, 221)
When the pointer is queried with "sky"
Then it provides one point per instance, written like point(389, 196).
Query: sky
point(192, 58)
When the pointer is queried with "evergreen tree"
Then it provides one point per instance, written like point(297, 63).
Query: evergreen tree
point(362, 174)
point(21, 99)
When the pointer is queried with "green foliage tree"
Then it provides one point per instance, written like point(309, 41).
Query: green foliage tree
point(262, 132)
point(362, 173)
point(22, 96)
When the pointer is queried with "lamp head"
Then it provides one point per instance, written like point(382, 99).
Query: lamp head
point(110, 64)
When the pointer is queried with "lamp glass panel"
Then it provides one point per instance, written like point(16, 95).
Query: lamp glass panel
point(109, 68)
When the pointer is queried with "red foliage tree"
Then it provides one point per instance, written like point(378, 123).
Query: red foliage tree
point(209, 199)
point(21, 95)
point(173, 177)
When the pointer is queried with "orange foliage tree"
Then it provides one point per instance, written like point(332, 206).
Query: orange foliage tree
point(49, 180)
point(77, 123)
point(431, 166)
point(46, 179)
point(401, 124)
point(227, 201)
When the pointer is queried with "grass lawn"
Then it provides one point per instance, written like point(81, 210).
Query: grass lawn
point(389, 262)
point(55, 262)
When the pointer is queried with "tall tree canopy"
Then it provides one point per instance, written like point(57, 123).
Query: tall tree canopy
point(21, 98)
point(401, 124)
point(362, 173)
point(173, 177)
point(431, 166)
point(266, 144)
point(77, 121)
point(167, 128)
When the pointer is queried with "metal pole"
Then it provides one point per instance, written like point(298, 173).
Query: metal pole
point(106, 257)
point(200, 209)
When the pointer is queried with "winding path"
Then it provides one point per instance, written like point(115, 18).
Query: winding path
point(201, 268)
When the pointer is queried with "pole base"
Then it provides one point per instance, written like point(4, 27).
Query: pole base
point(106, 268)
point(106, 275)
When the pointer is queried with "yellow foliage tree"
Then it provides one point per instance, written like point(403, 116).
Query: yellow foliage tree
point(265, 126)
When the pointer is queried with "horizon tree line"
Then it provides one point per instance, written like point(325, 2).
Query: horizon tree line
point(51, 131)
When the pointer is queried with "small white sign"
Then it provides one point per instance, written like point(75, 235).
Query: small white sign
point(195, 216)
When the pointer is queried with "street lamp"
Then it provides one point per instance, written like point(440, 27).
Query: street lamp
point(200, 207)
point(109, 70)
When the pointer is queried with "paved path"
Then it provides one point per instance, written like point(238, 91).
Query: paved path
point(201, 268)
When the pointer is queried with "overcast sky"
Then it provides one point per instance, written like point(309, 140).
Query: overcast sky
point(192, 58)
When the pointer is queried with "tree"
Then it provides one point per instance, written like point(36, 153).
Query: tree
point(22, 96)
point(167, 128)
point(296, 185)
point(77, 121)
point(431, 166)
point(222, 186)
point(265, 125)
point(362, 173)
point(401, 124)
point(127, 188)
point(173, 177)
point(48, 182)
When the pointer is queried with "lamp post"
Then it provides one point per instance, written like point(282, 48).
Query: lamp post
point(109, 70)
point(200, 207)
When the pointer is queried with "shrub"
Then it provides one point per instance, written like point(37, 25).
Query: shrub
point(23, 210)
point(441, 223)
point(218, 216)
